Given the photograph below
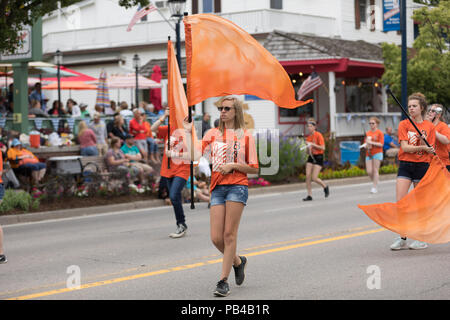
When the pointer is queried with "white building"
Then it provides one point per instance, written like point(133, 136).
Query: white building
point(339, 38)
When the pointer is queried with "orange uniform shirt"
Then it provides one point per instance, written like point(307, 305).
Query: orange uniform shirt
point(178, 168)
point(442, 150)
point(226, 149)
point(316, 138)
point(407, 132)
point(376, 136)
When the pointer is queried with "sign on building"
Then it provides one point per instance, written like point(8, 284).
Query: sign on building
point(391, 15)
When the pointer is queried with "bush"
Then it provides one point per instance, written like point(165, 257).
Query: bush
point(18, 200)
point(291, 158)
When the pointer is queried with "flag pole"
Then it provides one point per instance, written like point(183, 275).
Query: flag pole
point(405, 113)
point(168, 128)
point(190, 120)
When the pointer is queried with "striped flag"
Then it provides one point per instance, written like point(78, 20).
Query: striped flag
point(140, 14)
point(310, 84)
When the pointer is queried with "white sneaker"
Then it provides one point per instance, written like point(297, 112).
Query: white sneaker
point(181, 231)
point(373, 190)
point(399, 244)
point(418, 245)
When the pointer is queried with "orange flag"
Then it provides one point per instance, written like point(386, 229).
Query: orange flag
point(424, 213)
point(223, 59)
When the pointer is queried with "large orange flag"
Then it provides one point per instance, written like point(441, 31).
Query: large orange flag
point(223, 59)
point(424, 213)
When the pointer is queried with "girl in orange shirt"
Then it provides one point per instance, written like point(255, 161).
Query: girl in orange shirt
point(316, 149)
point(374, 154)
point(233, 155)
point(434, 114)
point(414, 156)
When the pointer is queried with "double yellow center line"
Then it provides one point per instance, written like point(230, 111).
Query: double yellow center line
point(260, 251)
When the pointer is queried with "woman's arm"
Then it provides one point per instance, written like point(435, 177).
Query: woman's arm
point(159, 121)
point(245, 168)
point(441, 138)
point(412, 149)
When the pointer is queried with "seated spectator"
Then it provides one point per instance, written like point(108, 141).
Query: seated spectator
point(57, 109)
point(116, 161)
point(137, 129)
point(201, 191)
point(111, 110)
point(132, 153)
point(390, 147)
point(84, 111)
point(119, 128)
point(73, 109)
point(151, 143)
point(23, 162)
point(87, 140)
point(36, 110)
point(124, 111)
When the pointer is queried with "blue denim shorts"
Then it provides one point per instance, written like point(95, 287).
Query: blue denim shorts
point(229, 192)
point(2, 191)
point(376, 156)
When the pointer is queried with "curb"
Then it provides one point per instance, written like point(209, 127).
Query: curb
point(68, 213)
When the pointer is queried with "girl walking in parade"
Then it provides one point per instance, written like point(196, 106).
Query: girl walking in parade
point(374, 155)
point(414, 156)
point(435, 115)
point(316, 150)
point(233, 154)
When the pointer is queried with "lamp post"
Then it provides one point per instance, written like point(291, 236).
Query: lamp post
point(58, 62)
point(136, 65)
point(177, 9)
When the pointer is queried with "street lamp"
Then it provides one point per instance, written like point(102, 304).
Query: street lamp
point(58, 62)
point(136, 65)
point(176, 8)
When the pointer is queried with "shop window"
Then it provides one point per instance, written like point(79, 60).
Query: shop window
point(276, 4)
point(359, 96)
point(206, 6)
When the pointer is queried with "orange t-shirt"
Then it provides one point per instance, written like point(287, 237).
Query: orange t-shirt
point(407, 132)
point(443, 149)
point(178, 168)
point(316, 138)
point(137, 129)
point(148, 129)
point(229, 148)
point(14, 153)
point(376, 136)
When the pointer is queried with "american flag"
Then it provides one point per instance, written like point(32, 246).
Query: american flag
point(310, 84)
point(140, 14)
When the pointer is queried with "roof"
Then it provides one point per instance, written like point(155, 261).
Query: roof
point(296, 47)
point(293, 46)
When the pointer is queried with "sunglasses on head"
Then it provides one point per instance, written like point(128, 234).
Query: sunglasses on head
point(224, 108)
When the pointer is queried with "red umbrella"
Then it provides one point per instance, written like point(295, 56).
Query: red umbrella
point(80, 76)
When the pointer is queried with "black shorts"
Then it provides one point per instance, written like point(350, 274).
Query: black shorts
point(448, 168)
point(413, 171)
point(318, 159)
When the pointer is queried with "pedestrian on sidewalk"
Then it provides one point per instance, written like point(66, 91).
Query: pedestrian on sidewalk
point(414, 156)
point(233, 155)
point(373, 144)
point(316, 149)
point(2, 193)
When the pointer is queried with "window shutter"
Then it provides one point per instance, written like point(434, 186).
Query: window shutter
point(217, 6)
point(194, 6)
point(357, 15)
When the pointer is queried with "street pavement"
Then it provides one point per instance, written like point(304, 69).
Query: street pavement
point(323, 249)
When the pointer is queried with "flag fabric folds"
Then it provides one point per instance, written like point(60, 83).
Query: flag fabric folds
point(140, 14)
point(223, 59)
point(424, 213)
point(310, 84)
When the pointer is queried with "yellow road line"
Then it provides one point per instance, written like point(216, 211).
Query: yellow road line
point(192, 266)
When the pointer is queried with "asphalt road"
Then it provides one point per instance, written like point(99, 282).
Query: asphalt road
point(324, 249)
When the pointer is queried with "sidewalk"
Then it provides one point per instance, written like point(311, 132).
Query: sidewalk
point(41, 216)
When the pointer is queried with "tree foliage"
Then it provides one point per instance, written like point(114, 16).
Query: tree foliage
point(25, 12)
point(428, 64)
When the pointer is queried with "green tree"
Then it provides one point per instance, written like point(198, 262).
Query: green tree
point(428, 61)
point(15, 14)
